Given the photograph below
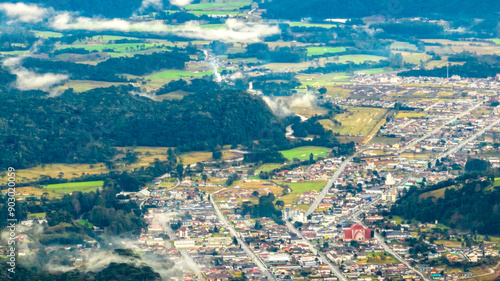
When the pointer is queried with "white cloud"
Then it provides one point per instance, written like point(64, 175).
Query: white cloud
point(150, 3)
point(180, 3)
point(28, 80)
point(23, 13)
point(236, 31)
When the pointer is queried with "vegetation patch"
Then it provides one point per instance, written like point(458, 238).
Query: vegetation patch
point(303, 152)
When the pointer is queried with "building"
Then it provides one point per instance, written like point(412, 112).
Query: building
point(357, 232)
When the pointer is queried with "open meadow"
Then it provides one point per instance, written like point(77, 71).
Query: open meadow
point(358, 120)
point(303, 152)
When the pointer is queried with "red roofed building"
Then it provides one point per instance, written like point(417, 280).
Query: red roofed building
point(357, 232)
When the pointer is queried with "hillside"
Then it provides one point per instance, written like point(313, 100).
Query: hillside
point(468, 205)
point(84, 127)
point(296, 9)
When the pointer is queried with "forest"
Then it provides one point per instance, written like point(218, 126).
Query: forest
point(474, 67)
point(84, 127)
point(469, 204)
point(297, 9)
point(111, 69)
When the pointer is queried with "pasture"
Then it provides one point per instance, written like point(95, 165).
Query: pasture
point(303, 152)
point(178, 74)
point(311, 51)
point(68, 188)
point(357, 121)
point(297, 190)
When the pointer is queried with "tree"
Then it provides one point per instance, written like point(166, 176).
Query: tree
point(255, 193)
point(217, 154)
point(180, 170)
point(311, 158)
point(322, 90)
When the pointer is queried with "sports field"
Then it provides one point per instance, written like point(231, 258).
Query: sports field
point(311, 51)
point(69, 187)
point(303, 152)
point(358, 120)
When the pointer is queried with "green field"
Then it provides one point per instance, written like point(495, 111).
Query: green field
point(330, 79)
point(37, 215)
point(68, 188)
point(358, 120)
point(303, 152)
point(267, 168)
point(403, 46)
point(299, 188)
point(302, 24)
point(311, 51)
point(47, 34)
point(497, 41)
point(177, 74)
point(121, 48)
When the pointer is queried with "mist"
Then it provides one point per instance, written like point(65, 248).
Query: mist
point(180, 3)
point(20, 12)
point(28, 80)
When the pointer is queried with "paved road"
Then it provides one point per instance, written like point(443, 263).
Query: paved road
point(388, 249)
point(188, 260)
point(415, 141)
point(256, 259)
point(331, 181)
point(323, 258)
point(375, 200)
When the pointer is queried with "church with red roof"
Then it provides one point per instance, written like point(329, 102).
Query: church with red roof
point(357, 232)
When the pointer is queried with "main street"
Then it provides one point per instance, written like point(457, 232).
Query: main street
point(335, 176)
point(323, 258)
point(354, 215)
point(256, 259)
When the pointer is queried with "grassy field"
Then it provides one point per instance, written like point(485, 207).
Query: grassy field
point(267, 168)
point(411, 114)
point(414, 58)
point(303, 152)
point(68, 188)
point(37, 215)
point(199, 156)
point(378, 258)
point(121, 48)
point(497, 41)
point(403, 46)
point(178, 74)
point(47, 34)
point(438, 193)
point(311, 51)
point(359, 120)
point(318, 81)
point(85, 85)
point(298, 189)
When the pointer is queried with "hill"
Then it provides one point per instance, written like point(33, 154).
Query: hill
point(84, 127)
point(325, 9)
point(469, 203)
